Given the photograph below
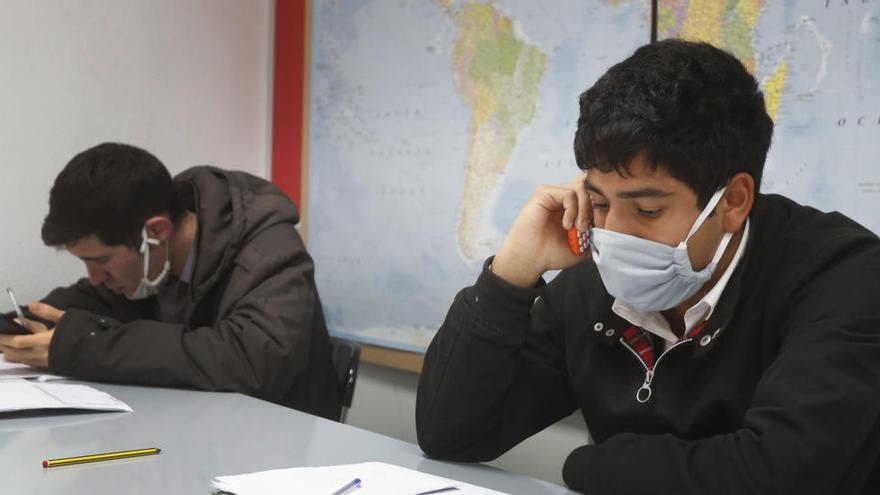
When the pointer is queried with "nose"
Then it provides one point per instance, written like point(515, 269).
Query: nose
point(614, 222)
point(96, 274)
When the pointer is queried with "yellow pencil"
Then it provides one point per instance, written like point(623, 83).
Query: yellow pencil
point(100, 457)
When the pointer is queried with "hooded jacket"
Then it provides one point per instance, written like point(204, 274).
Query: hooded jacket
point(777, 393)
point(252, 321)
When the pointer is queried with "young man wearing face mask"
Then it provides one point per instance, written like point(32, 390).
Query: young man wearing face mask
point(200, 281)
point(716, 340)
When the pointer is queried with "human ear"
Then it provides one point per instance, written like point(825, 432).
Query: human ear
point(159, 227)
point(737, 202)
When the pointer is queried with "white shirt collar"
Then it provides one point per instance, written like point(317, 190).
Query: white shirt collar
point(654, 322)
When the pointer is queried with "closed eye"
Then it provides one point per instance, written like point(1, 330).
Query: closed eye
point(102, 260)
point(650, 213)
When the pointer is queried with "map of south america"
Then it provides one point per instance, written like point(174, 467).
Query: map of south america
point(499, 74)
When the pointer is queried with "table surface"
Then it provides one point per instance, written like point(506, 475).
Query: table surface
point(202, 435)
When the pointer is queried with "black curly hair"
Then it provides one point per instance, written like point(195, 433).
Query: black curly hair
point(691, 108)
point(109, 191)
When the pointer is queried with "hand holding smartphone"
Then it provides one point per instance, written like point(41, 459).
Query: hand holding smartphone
point(8, 325)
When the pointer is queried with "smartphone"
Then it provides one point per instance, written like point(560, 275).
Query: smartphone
point(578, 241)
point(9, 326)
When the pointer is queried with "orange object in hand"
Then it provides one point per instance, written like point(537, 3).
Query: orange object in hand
point(578, 241)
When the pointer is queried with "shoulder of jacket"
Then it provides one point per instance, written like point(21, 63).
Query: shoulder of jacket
point(794, 243)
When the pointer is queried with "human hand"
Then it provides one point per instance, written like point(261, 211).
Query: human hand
point(33, 349)
point(538, 240)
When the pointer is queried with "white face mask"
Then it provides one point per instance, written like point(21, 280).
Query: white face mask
point(649, 275)
point(149, 287)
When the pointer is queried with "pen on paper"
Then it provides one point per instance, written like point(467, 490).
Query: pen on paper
point(439, 490)
point(21, 317)
point(82, 459)
point(355, 483)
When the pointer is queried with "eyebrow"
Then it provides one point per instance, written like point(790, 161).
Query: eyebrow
point(644, 192)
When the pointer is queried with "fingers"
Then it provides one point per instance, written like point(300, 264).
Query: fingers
point(574, 201)
point(9, 353)
point(46, 311)
point(32, 350)
point(37, 327)
point(583, 203)
point(570, 212)
point(32, 325)
point(6, 341)
point(14, 342)
point(35, 357)
point(556, 198)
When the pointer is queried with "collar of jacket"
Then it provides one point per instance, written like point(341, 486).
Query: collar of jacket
point(608, 327)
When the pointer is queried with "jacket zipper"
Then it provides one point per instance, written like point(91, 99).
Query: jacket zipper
point(643, 394)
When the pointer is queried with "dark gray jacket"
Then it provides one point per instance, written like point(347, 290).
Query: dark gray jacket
point(779, 393)
point(253, 321)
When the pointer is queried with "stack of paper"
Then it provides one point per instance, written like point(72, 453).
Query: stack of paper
point(376, 478)
point(22, 395)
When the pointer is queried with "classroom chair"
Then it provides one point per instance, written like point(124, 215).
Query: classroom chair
point(346, 357)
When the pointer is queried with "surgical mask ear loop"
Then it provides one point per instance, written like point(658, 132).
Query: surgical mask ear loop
point(145, 250)
point(710, 207)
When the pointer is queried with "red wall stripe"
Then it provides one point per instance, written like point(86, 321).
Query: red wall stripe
point(287, 99)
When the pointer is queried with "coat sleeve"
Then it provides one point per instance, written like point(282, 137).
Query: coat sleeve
point(81, 295)
point(812, 426)
point(258, 345)
point(493, 374)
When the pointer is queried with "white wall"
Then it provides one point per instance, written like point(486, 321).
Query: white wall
point(384, 402)
point(188, 80)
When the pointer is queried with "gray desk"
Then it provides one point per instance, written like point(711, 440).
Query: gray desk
point(202, 435)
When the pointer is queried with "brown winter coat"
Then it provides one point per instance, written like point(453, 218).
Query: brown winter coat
point(253, 321)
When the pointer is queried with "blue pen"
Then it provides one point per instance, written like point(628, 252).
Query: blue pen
point(355, 483)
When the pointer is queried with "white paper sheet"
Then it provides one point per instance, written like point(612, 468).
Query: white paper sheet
point(17, 370)
point(23, 395)
point(377, 478)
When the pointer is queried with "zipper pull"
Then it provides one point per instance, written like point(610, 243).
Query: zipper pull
point(643, 394)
